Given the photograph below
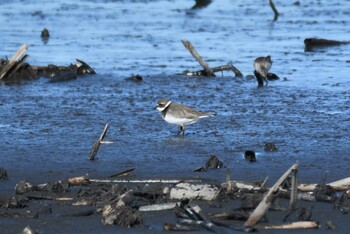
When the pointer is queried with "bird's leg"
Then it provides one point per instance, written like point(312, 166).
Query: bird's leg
point(266, 80)
point(182, 130)
point(259, 78)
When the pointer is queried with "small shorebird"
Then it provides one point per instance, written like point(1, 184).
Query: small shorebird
point(262, 65)
point(181, 115)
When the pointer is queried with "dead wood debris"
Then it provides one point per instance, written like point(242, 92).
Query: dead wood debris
point(16, 70)
point(122, 203)
point(207, 71)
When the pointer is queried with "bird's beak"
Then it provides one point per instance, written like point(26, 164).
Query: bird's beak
point(156, 107)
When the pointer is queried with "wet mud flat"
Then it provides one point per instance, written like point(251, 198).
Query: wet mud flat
point(49, 129)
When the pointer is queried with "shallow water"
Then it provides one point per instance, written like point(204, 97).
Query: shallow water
point(47, 129)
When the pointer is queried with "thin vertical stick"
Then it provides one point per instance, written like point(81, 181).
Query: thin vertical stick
point(274, 10)
point(294, 190)
point(228, 179)
point(98, 143)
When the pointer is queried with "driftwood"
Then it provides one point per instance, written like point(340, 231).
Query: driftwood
point(199, 59)
point(194, 191)
point(272, 5)
point(98, 143)
point(157, 207)
point(14, 61)
point(147, 181)
point(295, 225)
point(228, 67)
point(265, 204)
point(339, 185)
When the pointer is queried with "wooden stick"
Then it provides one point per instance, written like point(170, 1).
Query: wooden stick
point(274, 10)
point(294, 190)
point(199, 59)
point(265, 204)
point(228, 179)
point(123, 173)
point(147, 181)
point(15, 58)
point(98, 143)
point(343, 184)
point(157, 207)
point(295, 225)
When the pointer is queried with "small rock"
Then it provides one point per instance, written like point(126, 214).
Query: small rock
point(330, 225)
point(269, 146)
point(28, 230)
point(3, 174)
point(23, 187)
point(45, 33)
point(214, 162)
point(250, 155)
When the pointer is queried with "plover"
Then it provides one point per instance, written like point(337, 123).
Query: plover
point(181, 115)
point(262, 65)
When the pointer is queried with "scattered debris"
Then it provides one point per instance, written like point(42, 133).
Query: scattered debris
point(250, 155)
point(121, 202)
point(16, 70)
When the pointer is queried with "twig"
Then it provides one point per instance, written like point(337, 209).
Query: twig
point(294, 190)
point(274, 10)
point(123, 173)
point(98, 143)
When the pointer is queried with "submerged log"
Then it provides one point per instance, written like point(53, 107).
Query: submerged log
point(311, 43)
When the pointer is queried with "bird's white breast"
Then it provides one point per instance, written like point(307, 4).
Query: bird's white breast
point(175, 120)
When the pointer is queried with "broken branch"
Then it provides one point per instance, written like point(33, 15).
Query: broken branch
point(98, 143)
point(199, 59)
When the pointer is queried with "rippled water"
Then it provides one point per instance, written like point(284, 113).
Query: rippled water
point(47, 129)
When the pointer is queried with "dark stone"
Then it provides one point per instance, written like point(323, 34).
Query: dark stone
point(269, 146)
point(250, 156)
point(3, 174)
point(343, 202)
point(324, 193)
point(214, 163)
